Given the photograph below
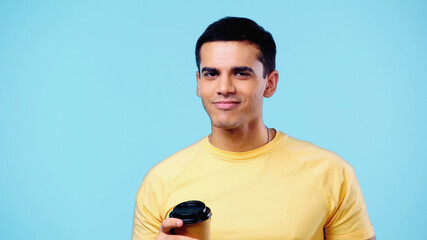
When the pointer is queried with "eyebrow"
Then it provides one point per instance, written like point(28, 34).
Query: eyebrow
point(208, 69)
point(234, 69)
point(242, 69)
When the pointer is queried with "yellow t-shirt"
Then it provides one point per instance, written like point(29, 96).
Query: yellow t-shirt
point(286, 189)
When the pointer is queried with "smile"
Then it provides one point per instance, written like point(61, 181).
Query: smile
point(226, 105)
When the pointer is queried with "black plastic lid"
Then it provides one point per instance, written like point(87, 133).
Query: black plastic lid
point(191, 212)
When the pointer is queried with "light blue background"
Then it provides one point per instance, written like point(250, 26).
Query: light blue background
point(94, 93)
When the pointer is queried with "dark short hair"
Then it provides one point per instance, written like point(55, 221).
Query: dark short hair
point(241, 29)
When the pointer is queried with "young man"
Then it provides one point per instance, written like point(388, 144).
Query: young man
point(259, 183)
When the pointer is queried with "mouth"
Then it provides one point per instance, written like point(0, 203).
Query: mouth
point(226, 105)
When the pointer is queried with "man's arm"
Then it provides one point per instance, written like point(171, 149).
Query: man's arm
point(351, 217)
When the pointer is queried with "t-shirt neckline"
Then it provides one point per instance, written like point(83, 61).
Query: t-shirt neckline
point(248, 155)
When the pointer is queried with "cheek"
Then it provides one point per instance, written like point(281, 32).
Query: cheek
point(255, 94)
point(206, 97)
point(206, 89)
point(255, 101)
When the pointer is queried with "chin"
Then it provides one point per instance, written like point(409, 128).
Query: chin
point(225, 124)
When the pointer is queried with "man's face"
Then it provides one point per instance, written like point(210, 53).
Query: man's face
point(231, 83)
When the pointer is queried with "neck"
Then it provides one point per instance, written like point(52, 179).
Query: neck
point(241, 139)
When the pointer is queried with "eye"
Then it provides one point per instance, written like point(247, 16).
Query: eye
point(210, 74)
point(242, 75)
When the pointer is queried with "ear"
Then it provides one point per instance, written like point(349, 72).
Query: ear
point(198, 83)
point(271, 83)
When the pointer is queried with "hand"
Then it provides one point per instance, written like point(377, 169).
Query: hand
point(167, 225)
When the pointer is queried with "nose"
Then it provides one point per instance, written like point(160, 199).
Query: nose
point(225, 86)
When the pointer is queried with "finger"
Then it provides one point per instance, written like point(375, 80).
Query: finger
point(164, 236)
point(170, 223)
point(174, 237)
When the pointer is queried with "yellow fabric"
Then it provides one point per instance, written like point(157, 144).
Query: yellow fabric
point(286, 189)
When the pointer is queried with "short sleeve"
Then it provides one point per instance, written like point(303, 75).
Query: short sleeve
point(350, 219)
point(147, 218)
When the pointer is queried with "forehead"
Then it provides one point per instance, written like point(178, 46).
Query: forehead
point(229, 54)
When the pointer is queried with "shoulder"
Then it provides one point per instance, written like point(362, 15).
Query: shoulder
point(152, 194)
point(159, 180)
point(332, 173)
point(329, 170)
point(173, 166)
point(335, 176)
point(317, 158)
